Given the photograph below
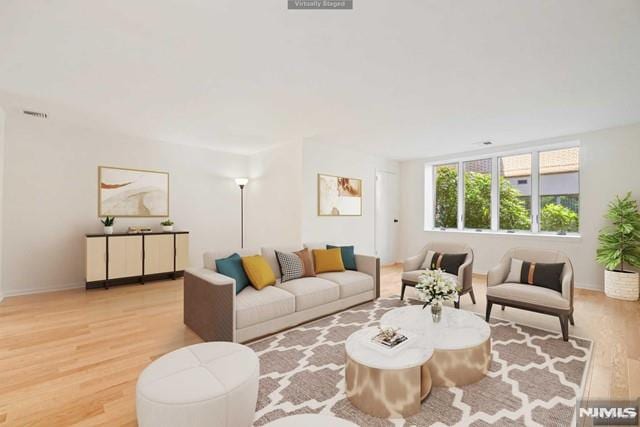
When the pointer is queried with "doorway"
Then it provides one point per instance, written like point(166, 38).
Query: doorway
point(387, 216)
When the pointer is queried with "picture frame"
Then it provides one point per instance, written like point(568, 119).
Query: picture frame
point(133, 193)
point(339, 196)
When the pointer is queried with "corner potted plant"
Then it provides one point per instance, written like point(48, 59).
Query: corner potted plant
point(620, 249)
point(434, 288)
point(167, 225)
point(108, 224)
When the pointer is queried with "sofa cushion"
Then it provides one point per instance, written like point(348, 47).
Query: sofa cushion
point(291, 266)
point(311, 292)
point(348, 256)
point(449, 263)
point(351, 282)
point(414, 276)
point(210, 257)
point(255, 306)
point(231, 266)
point(547, 275)
point(326, 260)
point(535, 295)
point(269, 253)
point(259, 271)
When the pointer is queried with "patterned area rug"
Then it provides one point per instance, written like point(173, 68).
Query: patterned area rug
point(534, 377)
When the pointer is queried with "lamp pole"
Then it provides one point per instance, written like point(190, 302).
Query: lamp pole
point(242, 216)
point(241, 182)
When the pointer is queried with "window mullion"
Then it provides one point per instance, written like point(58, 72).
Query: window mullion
point(460, 196)
point(495, 195)
point(535, 192)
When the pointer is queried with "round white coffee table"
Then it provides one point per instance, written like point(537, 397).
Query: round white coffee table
point(461, 342)
point(387, 383)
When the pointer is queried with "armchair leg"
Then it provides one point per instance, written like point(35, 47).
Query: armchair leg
point(564, 325)
point(503, 307)
point(456, 303)
point(473, 296)
point(571, 320)
point(402, 292)
point(488, 315)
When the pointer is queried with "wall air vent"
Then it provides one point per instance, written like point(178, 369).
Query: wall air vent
point(35, 114)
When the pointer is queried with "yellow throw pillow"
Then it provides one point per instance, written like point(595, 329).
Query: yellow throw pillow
point(328, 260)
point(258, 270)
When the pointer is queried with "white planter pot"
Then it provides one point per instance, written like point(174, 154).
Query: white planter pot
point(108, 230)
point(167, 228)
point(622, 285)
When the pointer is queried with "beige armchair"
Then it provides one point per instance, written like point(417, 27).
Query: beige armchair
point(530, 297)
point(411, 268)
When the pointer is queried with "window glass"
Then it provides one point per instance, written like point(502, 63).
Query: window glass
point(477, 194)
point(560, 190)
point(446, 197)
point(515, 192)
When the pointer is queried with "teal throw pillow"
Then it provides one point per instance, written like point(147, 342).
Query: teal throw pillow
point(232, 266)
point(348, 256)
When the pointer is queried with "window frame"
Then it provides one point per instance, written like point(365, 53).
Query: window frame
point(494, 156)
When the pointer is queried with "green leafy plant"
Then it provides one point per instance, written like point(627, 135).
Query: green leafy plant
point(555, 217)
point(108, 221)
point(514, 214)
point(166, 222)
point(620, 241)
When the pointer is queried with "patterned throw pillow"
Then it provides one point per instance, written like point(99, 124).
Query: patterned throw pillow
point(291, 266)
point(546, 275)
point(449, 263)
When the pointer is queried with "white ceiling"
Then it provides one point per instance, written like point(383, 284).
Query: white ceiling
point(408, 78)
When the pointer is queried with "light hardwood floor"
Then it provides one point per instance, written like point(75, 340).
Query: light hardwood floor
point(73, 357)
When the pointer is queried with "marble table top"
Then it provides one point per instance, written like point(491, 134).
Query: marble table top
point(416, 351)
point(458, 329)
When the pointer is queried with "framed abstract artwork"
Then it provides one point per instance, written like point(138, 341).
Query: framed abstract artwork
point(132, 192)
point(339, 196)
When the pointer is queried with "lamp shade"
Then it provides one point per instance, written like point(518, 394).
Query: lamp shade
point(241, 182)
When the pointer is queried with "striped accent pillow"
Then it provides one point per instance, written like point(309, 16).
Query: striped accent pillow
point(545, 275)
point(449, 263)
point(291, 266)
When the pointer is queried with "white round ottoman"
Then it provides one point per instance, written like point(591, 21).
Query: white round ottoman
point(209, 384)
point(311, 420)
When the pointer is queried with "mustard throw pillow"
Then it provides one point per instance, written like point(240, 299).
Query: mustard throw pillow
point(328, 260)
point(258, 270)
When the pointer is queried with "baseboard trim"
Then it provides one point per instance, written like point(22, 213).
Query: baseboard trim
point(33, 291)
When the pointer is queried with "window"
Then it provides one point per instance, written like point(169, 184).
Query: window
point(532, 191)
point(515, 192)
point(477, 194)
point(446, 196)
point(559, 190)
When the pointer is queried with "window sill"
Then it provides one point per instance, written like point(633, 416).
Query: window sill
point(573, 237)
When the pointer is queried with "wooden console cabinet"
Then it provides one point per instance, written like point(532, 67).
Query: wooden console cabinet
point(116, 259)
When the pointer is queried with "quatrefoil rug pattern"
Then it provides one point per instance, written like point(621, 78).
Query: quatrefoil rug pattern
point(535, 378)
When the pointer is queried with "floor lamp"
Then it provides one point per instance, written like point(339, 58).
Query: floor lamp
point(241, 182)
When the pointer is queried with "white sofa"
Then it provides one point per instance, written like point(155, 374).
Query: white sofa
point(214, 311)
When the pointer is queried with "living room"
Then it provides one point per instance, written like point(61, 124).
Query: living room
point(191, 188)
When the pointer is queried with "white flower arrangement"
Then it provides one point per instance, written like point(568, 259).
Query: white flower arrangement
point(435, 287)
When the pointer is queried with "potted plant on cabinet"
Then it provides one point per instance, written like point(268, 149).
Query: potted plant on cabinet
point(620, 249)
point(108, 224)
point(167, 225)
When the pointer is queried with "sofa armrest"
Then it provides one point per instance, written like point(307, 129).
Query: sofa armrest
point(370, 265)
point(209, 304)
point(567, 285)
point(498, 274)
point(465, 274)
point(412, 263)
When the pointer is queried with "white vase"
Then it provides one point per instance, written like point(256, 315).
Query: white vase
point(623, 285)
point(167, 228)
point(108, 229)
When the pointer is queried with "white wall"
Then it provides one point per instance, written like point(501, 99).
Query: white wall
point(327, 159)
point(273, 206)
point(2, 120)
point(51, 197)
point(609, 166)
